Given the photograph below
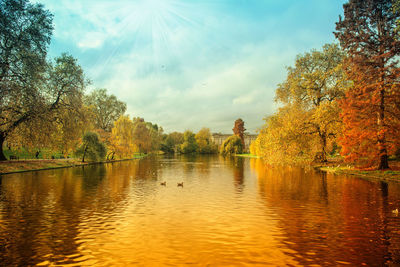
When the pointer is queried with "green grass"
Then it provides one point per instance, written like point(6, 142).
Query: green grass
point(375, 174)
point(247, 156)
point(41, 164)
point(31, 154)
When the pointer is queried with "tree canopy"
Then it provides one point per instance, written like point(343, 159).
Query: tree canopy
point(91, 147)
point(25, 33)
point(106, 108)
point(239, 129)
point(308, 119)
point(371, 108)
point(204, 142)
point(189, 145)
point(232, 145)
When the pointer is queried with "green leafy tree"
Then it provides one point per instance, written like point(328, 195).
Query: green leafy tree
point(172, 142)
point(106, 108)
point(205, 144)
point(91, 147)
point(232, 145)
point(25, 33)
point(189, 145)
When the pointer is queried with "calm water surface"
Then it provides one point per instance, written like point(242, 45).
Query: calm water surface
point(229, 212)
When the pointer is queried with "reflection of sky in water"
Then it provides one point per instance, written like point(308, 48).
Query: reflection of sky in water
point(229, 211)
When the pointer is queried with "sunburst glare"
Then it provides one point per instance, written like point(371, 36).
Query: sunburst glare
point(154, 25)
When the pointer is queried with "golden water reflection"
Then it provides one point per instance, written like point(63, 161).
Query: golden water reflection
point(231, 211)
point(329, 219)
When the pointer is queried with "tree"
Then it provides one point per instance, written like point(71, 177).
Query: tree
point(232, 145)
point(69, 123)
point(189, 145)
point(106, 108)
point(122, 137)
point(91, 147)
point(141, 135)
point(172, 142)
point(281, 142)
point(49, 103)
point(239, 130)
point(25, 33)
point(314, 85)
point(155, 135)
point(204, 142)
point(371, 107)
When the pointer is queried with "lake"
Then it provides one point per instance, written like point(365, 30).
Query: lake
point(230, 211)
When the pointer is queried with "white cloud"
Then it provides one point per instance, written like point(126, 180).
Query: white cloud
point(92, 40)
point(189, 64)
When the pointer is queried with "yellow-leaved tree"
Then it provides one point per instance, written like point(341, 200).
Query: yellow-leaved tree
point(122, 141)
point(308, 122)
point(205, 143)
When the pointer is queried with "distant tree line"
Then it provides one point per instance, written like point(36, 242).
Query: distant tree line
point(202, 142)
point(188, 142)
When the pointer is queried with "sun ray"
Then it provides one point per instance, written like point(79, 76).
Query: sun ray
point(153, 24)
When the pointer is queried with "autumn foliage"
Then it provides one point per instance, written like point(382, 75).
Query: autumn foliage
point(370, 110)
point(239, 129)
point(306, 125)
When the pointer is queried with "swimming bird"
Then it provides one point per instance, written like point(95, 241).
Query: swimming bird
point(180, 184)
point(163, 183)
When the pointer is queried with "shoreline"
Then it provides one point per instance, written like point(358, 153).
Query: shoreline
point(247, 155)
point(375, 175)
point(32, 165)
point(338, 167)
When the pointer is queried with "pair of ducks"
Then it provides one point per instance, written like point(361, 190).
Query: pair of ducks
point(178, 184)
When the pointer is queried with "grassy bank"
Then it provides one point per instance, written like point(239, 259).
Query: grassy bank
point(386, 175)
point(247, 156)
point(14, 166)
point(336, 165)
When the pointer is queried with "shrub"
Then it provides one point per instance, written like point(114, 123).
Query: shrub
point(232, 145)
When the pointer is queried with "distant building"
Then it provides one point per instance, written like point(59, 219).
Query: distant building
point(219, 138)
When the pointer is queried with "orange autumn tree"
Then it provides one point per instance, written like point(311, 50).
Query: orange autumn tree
point(371, 107)
point(239, 129)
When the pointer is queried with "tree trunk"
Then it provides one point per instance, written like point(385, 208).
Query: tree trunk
point(2, 156)
point(323, 142)
point(383, 156)
point(84, 153)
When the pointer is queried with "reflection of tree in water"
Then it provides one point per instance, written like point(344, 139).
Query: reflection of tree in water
point(92, 175)
point(324, 187)
point(145, 169)
point(237, 165)
point(189, 162)
point(205, 164)
point(42, 218)
point(42, 212)
point(390, 224)
point(327, 219)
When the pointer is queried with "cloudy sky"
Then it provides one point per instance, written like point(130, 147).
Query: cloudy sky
point(187, 64)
